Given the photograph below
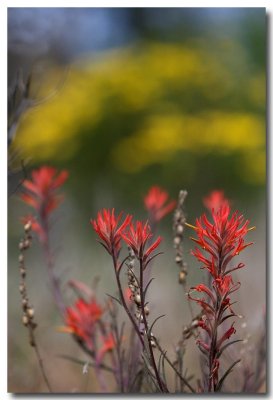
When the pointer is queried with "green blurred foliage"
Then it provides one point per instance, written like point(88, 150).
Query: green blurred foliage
point(182, 115)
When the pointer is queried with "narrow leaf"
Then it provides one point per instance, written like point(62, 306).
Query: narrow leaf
point(114, 298)
point(147, 286)
point(227, 345)
point(228, 371)
point(150, 330)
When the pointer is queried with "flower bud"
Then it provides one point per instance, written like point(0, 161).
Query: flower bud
point(25, 320)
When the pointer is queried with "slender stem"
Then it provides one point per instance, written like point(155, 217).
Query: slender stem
point(160, 383)
point(41, 364)
point(115, 262)
point(58, 298)
point(173, 367)
point(118, 339)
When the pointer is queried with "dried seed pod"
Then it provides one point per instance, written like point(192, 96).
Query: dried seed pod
point(178, 259)
point(146, 310)
point(27, 227)
point(30, 312)
point(179, 229)
point(182, 277)
point(21, 258)
point(24, 303)
point(21, 288)
point(26, 244)
point(25, 320)
point(23, 272)
point(137, 299)
point(177, 240)
point(21, 245)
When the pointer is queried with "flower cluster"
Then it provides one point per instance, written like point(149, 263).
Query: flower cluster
point(135, 235)
point(108, 229)
point(40, 193)
point(221, 240)
point(82, 320)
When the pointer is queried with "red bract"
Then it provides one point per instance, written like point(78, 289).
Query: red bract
point(221, 239)
point(156, 202)
point(41, 195)
point(108, 229)
point(41, 189)
point(81, 319)
point(215, 200)
point(137, 237)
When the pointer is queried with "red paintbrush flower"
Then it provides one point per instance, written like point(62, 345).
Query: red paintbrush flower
point(108, 229)
point(224, 236)
point(81, 319)
point(41, 189)
point(156, 203)
point(137, 238)
point(40, 193)
point(220, 239)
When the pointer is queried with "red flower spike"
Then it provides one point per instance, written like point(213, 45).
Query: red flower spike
point(137, 237)
point(221, 240)
point(81, 319)
point(41, 189)
point(225, 235)
point(156, 203)
point(106, 226)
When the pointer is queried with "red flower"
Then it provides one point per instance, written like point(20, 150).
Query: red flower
point(155, 202)
point(81, 319)
point(41, 195)
point(223, 284)
point(137, 238)
point(106, 226)
point(226, 336)
point(41, 189)
point(224, 236)
point(215, 200)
